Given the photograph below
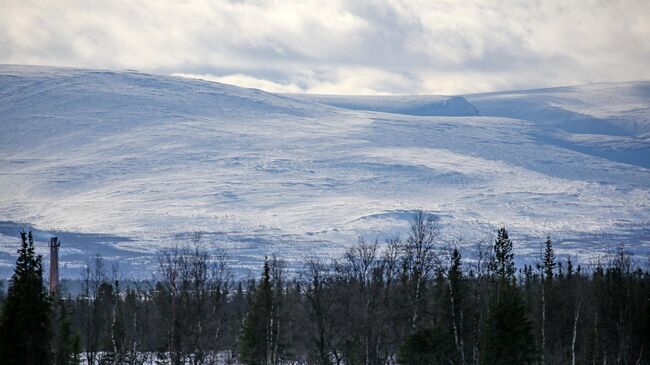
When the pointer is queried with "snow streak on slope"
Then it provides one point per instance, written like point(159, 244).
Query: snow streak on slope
point(133, 162)
point(429, 105)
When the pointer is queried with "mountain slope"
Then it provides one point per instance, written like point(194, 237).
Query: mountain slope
point(142, 161)
point(605, 120)
point(611, 109)
point(426, 105)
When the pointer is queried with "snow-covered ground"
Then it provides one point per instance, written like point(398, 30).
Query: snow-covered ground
point(127, 163)
point(426, 105)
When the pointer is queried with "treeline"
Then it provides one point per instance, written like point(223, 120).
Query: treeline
point(405, 301)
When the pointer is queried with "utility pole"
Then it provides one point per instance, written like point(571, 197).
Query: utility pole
point(54, 265)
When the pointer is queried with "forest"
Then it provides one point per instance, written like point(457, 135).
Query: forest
point(408, 300)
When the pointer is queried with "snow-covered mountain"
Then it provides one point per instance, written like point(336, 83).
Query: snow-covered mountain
point(126, 163)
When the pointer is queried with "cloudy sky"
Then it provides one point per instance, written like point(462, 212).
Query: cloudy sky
point(344, 47)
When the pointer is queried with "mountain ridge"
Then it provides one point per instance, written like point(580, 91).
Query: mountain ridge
point(153, 158)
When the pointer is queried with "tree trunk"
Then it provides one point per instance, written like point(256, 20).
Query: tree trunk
point(575, 332)
point(543, 326)
point(457, 340)
point(416, 301)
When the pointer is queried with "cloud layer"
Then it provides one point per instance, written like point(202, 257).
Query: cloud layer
point(336, 46)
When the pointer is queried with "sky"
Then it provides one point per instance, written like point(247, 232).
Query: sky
point(340, 47)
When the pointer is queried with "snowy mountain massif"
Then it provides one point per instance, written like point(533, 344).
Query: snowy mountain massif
point(125, 163)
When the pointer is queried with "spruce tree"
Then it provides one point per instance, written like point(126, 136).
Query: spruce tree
point(503, 264)
point(63, 341)
point(508, 334)
point(254, 344)
point(508, 330)
point(426, 346)
point(25, 322)
point(548, 265)
point(549, 262)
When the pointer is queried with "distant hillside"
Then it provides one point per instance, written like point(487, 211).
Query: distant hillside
point(126, 163)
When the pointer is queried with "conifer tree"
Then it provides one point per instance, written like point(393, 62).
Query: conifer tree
point(63, 339)
point(549, 262)
point(254, 344)
point(509, 337)
point(508, 333)
point(425, 346)
point(503, 264)
point(547, 267)
point(25, 323)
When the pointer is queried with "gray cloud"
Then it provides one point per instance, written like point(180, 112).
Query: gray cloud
point(361, 47)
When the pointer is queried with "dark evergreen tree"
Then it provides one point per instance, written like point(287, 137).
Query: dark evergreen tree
point(255, 340)
point(2, 293)
point(549, 262)
point(546, 291)
point(426, 346)
point(25, 323)
point(508, 332)
point(63, 341)
point(503, 264)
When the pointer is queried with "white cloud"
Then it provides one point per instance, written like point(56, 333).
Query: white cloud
point(245, 81)
point(354, 80)
point(337, 46)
